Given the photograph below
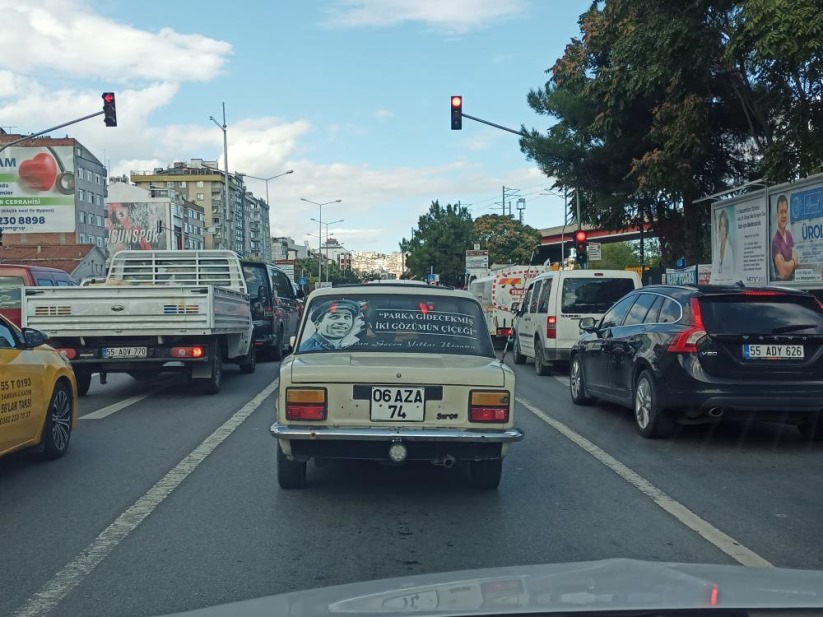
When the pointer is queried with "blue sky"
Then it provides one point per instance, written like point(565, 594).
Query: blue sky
point(351, 94)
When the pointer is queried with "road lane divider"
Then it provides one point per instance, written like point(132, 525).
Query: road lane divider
point(73, 573)
point(105, 412)
point(709, 532)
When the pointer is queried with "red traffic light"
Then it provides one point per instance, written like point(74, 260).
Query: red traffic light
point(457, 101)
point(457, 112)
point(580, 236)
point(108, 97)
point(109, 109)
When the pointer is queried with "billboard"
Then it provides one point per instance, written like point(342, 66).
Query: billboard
point(739, 232)
point(37, 189)
point(796, 234)
point(137, 226)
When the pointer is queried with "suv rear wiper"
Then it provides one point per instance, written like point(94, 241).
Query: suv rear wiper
point(794, 327)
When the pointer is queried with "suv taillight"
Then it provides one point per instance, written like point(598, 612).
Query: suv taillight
point(686, 341)
point(551, 326)
point(306, 404)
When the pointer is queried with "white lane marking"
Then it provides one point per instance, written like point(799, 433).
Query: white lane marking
point(564, 379)
point(105, 412)
point(73, 573)
point(709, 532)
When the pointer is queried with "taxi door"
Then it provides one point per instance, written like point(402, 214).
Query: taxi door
point(22, 390)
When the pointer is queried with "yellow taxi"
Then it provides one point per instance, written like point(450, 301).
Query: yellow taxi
point(38, 393)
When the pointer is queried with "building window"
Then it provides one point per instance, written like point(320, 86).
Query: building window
point(80, 172)
point(100, 242)
point(99, 221)
point(89, 175)
point(97, 179)
point(82, 238)
point(200, 184)
point(81, 216)
point(81, 194)
point(183, 184)
point(200, 196)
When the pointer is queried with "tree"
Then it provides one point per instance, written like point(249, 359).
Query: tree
point(615, 256)
point(507, 240)
point(439, 243)
point(331, 272)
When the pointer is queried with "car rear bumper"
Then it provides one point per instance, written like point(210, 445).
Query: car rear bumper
point(282, 431)
point(751, 399)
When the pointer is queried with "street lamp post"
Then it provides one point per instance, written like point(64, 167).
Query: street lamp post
point(320, 233)
point(223, 128)
point(266, 180)
point(327, 240)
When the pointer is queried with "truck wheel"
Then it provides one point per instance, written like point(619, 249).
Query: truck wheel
point(486, 474)
point(83, 378)
point(249, 363)
point(213, 383)
point(290, 474)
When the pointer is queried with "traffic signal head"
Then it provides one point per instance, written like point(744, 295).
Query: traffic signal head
point(109, 109)
point(457, 113)
point(580, 241)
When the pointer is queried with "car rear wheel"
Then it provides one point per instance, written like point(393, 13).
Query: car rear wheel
point(83, 379)
point(249, 363)
point(517, 355)
point(486, 475)
point(57, 429)
point(651, 421)
point(577, 384)
point(290, 474)
point(540, 366)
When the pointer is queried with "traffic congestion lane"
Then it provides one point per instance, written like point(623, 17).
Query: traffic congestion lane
point(51, 510)
point(753, 481)
point(228, 533)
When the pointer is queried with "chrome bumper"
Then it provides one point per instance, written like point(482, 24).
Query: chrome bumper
point(281, 431)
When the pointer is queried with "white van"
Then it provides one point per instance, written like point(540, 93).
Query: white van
point(547, 323)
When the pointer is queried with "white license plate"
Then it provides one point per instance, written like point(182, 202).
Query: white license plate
point(398, 404)
point(125, 352)
point(773, 352)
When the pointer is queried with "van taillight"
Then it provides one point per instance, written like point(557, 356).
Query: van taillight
point(686, 341)
point(187, 352)
point(489, 406)
point(551, 326)
point(306, 404)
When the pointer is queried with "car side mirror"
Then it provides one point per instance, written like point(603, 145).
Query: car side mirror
point(587, 324)
point(34, 338)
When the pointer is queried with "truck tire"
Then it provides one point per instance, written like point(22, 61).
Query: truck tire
point(212, 384)
point(249, 363)
point(83, 378)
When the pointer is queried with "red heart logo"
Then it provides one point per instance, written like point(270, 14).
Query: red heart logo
point(39, 173)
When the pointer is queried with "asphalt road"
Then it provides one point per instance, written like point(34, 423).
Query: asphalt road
point(108, 530)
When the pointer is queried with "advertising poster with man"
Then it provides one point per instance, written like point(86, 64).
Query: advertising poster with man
point(739, 232)
point(796, 235)
point(37, 189)
point(136, 226)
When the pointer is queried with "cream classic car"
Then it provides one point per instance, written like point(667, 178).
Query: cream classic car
point(394, 373)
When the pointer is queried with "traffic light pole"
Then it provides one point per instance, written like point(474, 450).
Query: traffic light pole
point(497, 126)
point(54, 128)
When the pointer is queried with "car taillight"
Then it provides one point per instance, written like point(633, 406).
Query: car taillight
point(489, 406)
point(306, 404)
point(187, 352)
point(686, 341)
point(68, 354)
point(504, 332)
point(819, 303)
point(761, 292)
point(551, 326)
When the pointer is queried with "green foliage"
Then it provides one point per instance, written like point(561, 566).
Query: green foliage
point(331, 272)
point(440, 241)
point(616, 256)
point(507, 239)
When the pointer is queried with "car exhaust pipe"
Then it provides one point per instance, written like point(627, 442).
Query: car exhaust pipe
point(447, 461)
point(716, 412)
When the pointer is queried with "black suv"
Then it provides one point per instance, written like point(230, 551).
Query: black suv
point(275, 307)
point(701, 354)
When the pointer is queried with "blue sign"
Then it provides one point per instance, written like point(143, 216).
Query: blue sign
point(681, 262)
point(302, 280)
point(430, 277)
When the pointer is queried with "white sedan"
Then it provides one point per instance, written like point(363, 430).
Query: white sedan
point(394, 373)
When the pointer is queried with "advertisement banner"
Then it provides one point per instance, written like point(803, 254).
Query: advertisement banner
point(37, 189)
point(682, 276)
point(795, 246)
point(136, 226)
point(477, 260)
point(739, 242)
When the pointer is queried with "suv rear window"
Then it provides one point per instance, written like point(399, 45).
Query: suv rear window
point(406, 323)
point(10, 291)
point(593, 295)
point(752, 315)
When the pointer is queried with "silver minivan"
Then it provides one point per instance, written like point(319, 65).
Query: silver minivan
point(548, 320)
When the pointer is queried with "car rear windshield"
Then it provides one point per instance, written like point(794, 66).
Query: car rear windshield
point(10, 291)
point(407, 323)
point(593, 294)
point(753, 315)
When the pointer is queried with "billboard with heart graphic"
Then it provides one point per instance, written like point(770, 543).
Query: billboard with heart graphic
point(37, 189)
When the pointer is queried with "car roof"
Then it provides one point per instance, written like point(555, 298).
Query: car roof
point(723, 290)
point(397, 288)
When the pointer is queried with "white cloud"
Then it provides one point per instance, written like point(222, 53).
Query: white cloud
point(382, 114)
point(453, 15)
point(65, 37)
